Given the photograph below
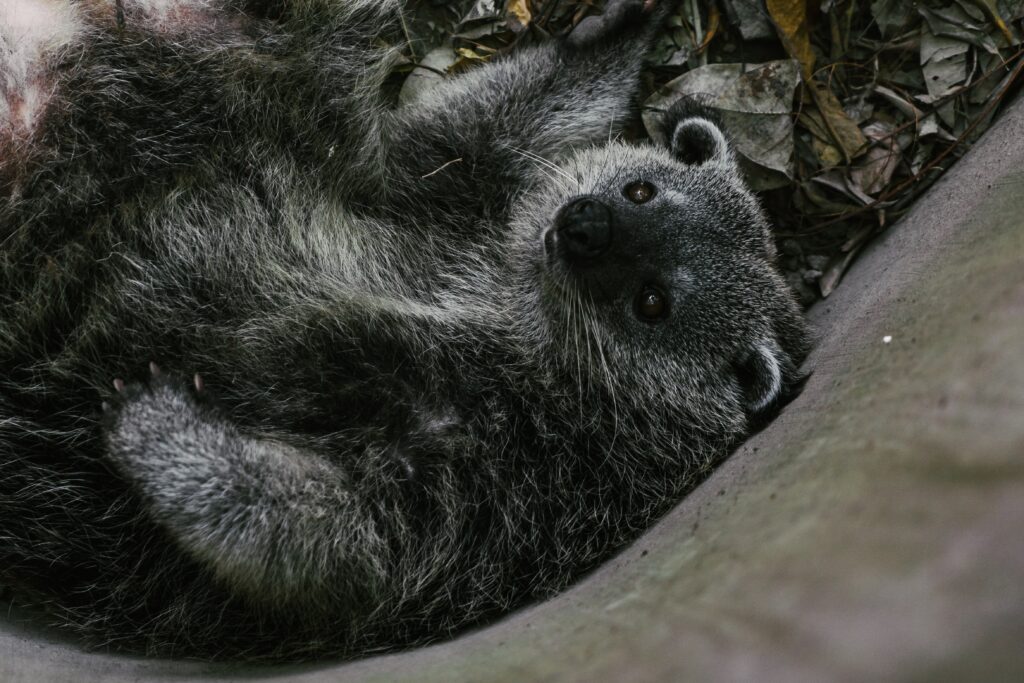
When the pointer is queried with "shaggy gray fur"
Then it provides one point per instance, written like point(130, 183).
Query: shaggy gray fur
point(423, 396)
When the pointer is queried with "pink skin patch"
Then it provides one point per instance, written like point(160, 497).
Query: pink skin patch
point(32, 32)
point(168, 17)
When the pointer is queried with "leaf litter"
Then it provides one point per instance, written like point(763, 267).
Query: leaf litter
point(842, 112)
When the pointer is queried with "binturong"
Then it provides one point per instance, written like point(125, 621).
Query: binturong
point(287, 371)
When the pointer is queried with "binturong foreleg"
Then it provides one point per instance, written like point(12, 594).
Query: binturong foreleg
point(478, 134)
point(279, 524)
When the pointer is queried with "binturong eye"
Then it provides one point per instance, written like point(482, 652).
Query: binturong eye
point(639, 192)
point(651, 304)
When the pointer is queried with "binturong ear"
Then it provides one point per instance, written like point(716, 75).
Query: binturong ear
point(694, 134)
point(768, 380)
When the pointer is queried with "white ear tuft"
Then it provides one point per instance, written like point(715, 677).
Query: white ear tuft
point(768, 385)
point(760, 376)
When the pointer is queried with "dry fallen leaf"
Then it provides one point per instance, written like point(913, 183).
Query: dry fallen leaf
point(790, 18)
point(989, 6)
point(843, 131)
point(519, 12)
point(749, 18)
point(873, 174)
point(834, 273)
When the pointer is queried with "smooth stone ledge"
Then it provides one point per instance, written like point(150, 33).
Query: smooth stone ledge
point(874, 532)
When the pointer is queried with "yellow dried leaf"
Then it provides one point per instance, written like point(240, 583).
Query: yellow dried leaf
point(828, 156)
point(989, 7)
point(843, 131)
point(714, 18)
point(790, 19)
point(821, 142)
point(468, 58)
point(467, 53)
point(519, 10)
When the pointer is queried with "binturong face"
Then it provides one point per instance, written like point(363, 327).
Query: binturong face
point(656, 264)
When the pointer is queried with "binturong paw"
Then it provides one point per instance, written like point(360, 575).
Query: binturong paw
point(143, 417)
point(157, 383)
point(618, 17)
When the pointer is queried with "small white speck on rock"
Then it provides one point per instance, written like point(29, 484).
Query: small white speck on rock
point(886, 339)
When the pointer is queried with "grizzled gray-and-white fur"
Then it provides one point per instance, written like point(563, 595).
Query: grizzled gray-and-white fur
point(286, 370)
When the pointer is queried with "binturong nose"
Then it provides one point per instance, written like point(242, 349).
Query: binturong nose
point(585, 228)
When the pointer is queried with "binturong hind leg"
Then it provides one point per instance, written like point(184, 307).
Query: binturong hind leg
point(278, 524)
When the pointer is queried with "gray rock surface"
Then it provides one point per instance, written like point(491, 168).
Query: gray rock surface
point(874, 532)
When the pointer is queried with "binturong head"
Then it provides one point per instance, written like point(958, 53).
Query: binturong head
point(658, 262)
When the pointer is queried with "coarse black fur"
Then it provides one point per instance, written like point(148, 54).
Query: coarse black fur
point(425, 397)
